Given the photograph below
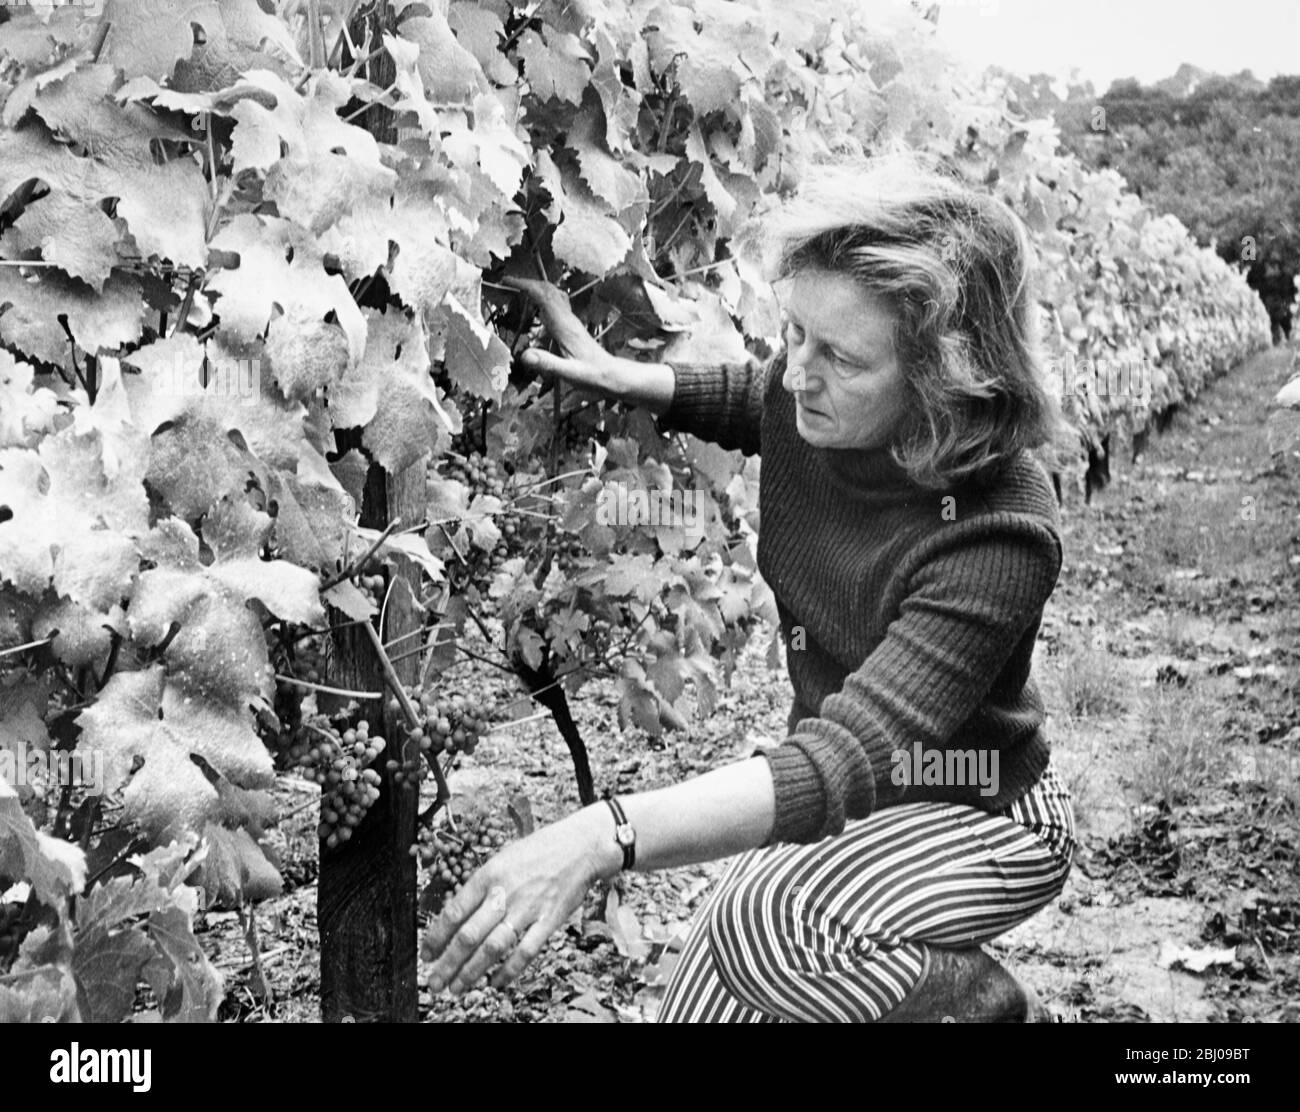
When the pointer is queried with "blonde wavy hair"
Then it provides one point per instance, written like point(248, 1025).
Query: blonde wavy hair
point(956, 267)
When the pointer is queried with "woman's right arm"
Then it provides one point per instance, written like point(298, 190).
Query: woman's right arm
point(722, 404)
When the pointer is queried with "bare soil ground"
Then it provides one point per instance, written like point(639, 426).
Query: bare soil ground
point(1169, 656)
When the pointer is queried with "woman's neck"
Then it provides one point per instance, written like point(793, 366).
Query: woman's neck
point(866, 470)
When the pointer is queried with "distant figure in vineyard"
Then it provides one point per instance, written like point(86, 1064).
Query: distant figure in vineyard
point(911, 540)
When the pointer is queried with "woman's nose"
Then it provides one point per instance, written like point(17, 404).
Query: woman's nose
point(797, 378)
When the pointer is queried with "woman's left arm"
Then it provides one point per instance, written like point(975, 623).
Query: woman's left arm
point(510, 906)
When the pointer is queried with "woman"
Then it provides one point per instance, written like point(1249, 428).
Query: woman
point(911, 541)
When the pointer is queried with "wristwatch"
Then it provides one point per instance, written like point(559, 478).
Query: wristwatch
point(624, 832)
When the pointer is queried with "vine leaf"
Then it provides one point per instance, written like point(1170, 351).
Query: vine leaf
point(475, 357)
point(63, 230)
point(54, 868)
point(107, 965)
point(212, 652)
point(70, 524)
point(450, 72)
point(81, 635)
point(714, 339)
point(555, 66)
point(106, 320)
point(142, 716)
point(26, 410)
point(588, 238)
point(164, 205)
point(148, 37)
point(235, 869)
point(244, 38)
point(305, 354)
point(395, 369)
point(608, 178)
point(266, 279)
point(31, 42)
point(42, 995)
point(479, 30)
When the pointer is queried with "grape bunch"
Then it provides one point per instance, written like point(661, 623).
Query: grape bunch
point(410, 769)
point(452, 858)
point(340, 764)
point(481, 475)
point(446, 725)
point(577, 440)
point(310, 660)
point(569, 550)
point(371, 584)
point(478, 566)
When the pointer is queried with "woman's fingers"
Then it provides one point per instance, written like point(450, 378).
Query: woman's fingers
point(497, 946)
point(454, 912)
point(558, 318)
point(522, 956)
point(552, 300)
point(461, 934)
point(572, 370)
point(533, 287)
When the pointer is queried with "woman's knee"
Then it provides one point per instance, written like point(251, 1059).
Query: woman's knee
point(753, 928)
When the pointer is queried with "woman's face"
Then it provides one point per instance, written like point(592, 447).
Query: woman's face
point(840, 363)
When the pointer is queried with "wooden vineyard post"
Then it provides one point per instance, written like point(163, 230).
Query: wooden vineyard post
point(366, 900)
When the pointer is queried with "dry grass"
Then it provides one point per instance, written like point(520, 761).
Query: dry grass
point(1185, 751)
point(1089, 683)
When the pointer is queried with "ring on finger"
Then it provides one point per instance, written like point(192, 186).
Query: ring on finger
point(514, 933)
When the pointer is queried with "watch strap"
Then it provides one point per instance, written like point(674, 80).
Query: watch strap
point(624, 832)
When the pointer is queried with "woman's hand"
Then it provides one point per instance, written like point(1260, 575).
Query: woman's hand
point(585, 364)
point(510, 906)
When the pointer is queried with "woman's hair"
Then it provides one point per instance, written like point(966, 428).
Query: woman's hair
point(955, 265)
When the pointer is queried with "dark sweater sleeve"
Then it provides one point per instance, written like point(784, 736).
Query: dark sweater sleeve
point(722, 404)
point(973, 592)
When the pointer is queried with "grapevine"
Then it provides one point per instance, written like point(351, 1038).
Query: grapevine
point(245, 285)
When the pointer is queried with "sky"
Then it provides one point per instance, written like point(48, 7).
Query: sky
point(1106, 39)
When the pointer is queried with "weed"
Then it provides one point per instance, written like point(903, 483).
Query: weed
point(1185, 749)
point(1090, 683)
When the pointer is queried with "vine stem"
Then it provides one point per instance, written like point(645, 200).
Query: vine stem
point(532, 695)
point(555, 479)
point(323, 733)
point(406, 637)
point(356, 565)
point(483, 659)
point(371, 104)
point(343, 35)
point(331, 690)
point(24, 648)
point(314, 801)
point(443, 529)
point(322, 632)
point(679, 274)
point(499, 727)
point(396, 686)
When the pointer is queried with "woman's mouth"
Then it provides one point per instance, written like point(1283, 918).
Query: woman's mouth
point(810, 412)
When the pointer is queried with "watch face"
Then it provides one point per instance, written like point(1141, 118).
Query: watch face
point(624, 835)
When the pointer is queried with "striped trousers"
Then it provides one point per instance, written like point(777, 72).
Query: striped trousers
point(830, 932)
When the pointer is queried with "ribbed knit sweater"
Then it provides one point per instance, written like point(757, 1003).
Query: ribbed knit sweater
point(917, 625)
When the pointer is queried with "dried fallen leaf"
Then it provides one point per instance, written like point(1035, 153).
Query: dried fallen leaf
point(1191, 959)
